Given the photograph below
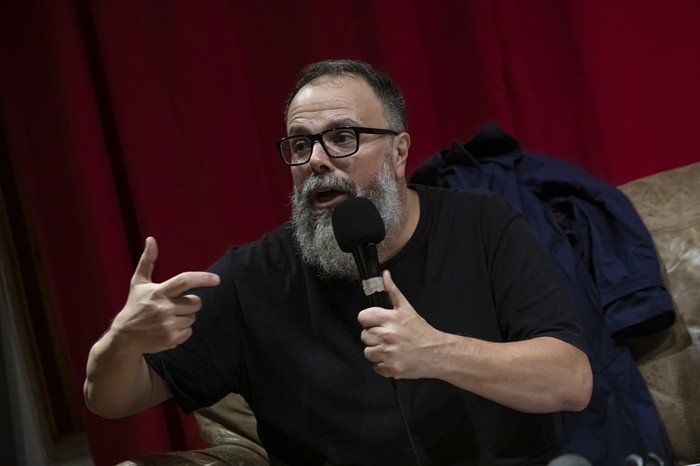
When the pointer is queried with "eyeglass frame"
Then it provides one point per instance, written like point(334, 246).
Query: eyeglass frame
point(319, 137)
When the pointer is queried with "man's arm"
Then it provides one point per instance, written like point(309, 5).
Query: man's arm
point(156, 317)
point(539, 375)
point(119, 382)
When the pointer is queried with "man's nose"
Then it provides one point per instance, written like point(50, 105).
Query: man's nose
point(319, 159)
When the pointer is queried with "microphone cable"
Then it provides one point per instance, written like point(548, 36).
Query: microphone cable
point(406, 425)
point(380, 299)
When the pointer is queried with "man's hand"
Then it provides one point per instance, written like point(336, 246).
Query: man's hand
point(399, 341)
point(157, 316)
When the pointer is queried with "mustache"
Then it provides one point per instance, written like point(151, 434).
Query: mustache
point(324, 181)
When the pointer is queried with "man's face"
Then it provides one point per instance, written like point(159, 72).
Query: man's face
point(331, 102)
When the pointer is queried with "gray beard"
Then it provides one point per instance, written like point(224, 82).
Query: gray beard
point(313, 229)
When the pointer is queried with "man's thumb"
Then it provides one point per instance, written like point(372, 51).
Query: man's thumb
point(392, 291)
point(147, 262)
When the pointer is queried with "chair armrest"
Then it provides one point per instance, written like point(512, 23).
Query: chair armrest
point(229, 427)
point(219, 455)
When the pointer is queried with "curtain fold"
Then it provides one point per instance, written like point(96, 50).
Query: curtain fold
point(131, 118)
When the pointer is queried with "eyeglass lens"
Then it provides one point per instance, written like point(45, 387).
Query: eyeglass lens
point(337, 143)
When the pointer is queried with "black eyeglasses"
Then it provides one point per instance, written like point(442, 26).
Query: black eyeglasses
point(337, 142)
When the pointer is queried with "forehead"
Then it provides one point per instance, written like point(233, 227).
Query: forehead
point(332, 100)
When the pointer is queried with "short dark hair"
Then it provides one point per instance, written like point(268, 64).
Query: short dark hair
point(390, 96)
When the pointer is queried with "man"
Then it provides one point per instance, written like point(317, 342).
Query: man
point(479, 337)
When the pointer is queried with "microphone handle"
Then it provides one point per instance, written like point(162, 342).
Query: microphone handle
point(367, 262)
point(379, 299)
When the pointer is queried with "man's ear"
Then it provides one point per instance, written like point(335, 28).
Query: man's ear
point(401, 144)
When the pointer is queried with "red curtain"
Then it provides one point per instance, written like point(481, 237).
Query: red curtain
point(131, 118)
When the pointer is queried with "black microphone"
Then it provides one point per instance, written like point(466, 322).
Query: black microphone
point(358, 228)
point(570, 459)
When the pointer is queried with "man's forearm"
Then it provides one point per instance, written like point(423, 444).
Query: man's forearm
point(118, 380)
point(539, 375)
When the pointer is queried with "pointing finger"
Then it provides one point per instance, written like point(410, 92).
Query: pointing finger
point(144, 269)
point(185, 281)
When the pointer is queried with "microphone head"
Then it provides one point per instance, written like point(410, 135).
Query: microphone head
point(569, 459)
point(356, 221)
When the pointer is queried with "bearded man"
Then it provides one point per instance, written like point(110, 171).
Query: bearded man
point(480, 337)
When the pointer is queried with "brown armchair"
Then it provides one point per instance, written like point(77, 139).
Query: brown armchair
point(669, 204)
point(229, 427)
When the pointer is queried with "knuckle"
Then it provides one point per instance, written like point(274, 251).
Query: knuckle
point(172, 344)
point(180, 279)
point(171, 341)
point(183, 336)
point(389, 338)
point(163, 309)
point(196, 302)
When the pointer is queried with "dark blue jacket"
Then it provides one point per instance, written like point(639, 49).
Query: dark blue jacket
point(606, 258)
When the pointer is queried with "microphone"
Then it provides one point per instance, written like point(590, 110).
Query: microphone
point(358, 228)
point(569, 459)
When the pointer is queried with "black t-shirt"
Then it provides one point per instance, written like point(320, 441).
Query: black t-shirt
point(290, 343)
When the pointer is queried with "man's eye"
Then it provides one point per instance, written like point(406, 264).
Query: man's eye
point(344, 138)
point(300, 145)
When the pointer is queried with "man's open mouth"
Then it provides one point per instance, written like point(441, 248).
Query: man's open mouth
point(327, 197)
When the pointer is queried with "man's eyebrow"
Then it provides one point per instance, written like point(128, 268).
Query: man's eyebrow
point(302, 130)
point(341, 123)
point(298, 131)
